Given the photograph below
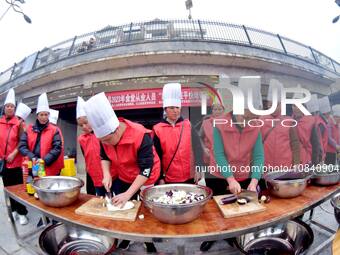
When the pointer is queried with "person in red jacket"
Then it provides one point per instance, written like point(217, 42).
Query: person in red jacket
point(321, 128)
point(336, 115)
point(22, 112)
point(308, 133)
point(90, 147)
point(332, 143)
point(43, 140)
point(172, 139)
point(9, 140)
point(127, 148)
point(281, 143)
point(238, 148)
point(213, 178)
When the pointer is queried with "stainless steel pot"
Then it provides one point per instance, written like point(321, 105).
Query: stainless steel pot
point(335, 201)
point(326, 179)
point(175, 214)
point(281, 186)
point(58, 191)
point(60, 239)
point(290, 238)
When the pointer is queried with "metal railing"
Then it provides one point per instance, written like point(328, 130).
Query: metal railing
point(163, 30)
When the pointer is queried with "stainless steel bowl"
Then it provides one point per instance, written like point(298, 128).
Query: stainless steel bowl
point(326, 179)
point(335, 201)
point(58, 191)
point(175, 214)
point(285, 187)
point(60, 239)
point(290, 238)
point(326, 175)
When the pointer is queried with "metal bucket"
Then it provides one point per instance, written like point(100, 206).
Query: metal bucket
point(60, 239)
point(290, 238)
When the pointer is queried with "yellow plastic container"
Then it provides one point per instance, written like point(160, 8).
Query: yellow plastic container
point(69, 168)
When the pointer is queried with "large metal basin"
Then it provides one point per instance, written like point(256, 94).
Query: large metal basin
point(61, 239)
point(175, 214)
point(290, 238)
point(285, 187)
point(58, 191)
point(326, 175)
point(335, 201)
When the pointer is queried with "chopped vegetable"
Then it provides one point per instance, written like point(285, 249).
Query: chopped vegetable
point(228, 200)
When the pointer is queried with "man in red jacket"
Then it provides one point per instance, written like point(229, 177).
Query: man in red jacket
point(126, 147)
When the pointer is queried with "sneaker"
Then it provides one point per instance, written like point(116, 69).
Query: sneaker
point(23, 219)
point(124, 245)
point(150, 248)
point(206, 245)
point(15, 215)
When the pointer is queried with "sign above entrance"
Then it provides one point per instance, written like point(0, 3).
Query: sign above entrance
point(149, 98)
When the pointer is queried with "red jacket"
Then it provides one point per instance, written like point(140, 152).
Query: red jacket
point(304, 128)
point(238, 146)
point(13, 140)
point(334, 135)
point(91, 149)
point(124, 156)
point(323, 136)
point(208, 139)
point(45, 146)
point(180, 169)
point(276, 142)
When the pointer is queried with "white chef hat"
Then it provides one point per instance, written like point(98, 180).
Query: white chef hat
point(172, 95)
point(80, 108)
point(246, 83)
point(273, 83)
point(23, 111)
point(313, 104)
point(100, 115)
point(325, 105)
point(336, 110)
point(43, 103)
point(54, 115)
point(10, 98)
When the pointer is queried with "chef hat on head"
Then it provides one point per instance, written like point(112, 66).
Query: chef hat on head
point(23, 111)
point(10, 98)
point(313, 104)
point(172, 95)
point(80, 108)
point(273, 83)
point(336, 110)
point(253, 83)
point(325, 105)
point(53, 118)
point(43, 103)
point(100, 115)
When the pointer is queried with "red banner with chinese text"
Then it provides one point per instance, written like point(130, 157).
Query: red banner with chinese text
point(149, 98)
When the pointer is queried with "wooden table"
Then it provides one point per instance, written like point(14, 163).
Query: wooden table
point(336, 243)
point(209, 226)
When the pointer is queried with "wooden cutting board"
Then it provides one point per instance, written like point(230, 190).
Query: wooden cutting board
point(94, 207)
point(235, 210)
